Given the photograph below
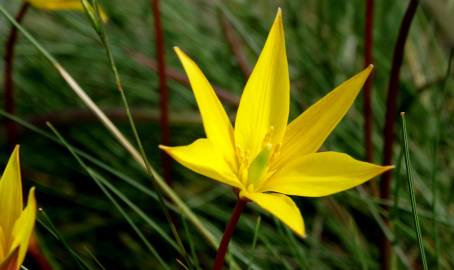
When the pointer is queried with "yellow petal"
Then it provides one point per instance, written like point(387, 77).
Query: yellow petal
point(308, 131)
point(215, 120)
point(264, 104)
point(321, 174)
point(281, 206)
point(64, 5)
point(203, 157)
point(57, 4)
point(23, 228)
point(11, 261)
point(10, 194)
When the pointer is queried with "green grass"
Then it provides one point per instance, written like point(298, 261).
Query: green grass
point(324, 42)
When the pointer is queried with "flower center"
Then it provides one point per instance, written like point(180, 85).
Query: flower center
point(252, 173)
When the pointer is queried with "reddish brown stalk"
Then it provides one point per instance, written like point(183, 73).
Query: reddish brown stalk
point(235, 45)
point(179, 77)
point(10, 126)
point(163, 89)
point(222, 250)
point(391, 113)
point(38, 257)
point(368, 58)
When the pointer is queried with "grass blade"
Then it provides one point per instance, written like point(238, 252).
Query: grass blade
point(412, 192)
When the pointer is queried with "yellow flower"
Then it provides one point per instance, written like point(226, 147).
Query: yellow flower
point(63, 5)
point(263, 156)
point(16, 223)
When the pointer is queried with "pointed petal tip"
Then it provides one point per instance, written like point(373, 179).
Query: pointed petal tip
point(32, 191)
point(368, 69)
point(302, 234)
point(32, 198)
point(15, 152)
point(163, 147)
point(184, 58)
point(278, 18)
point(179, 52)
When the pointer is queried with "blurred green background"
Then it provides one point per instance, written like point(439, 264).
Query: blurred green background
point(324, 40)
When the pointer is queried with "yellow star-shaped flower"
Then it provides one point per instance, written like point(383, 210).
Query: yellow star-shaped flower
point(263, 156)
point(16, 223)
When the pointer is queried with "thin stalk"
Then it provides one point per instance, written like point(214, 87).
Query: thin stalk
point(368, 58)
point(438, 135)
point(391, 113)
point(195, 259)
point(254, 241)
point(163, 90)
point(235, 45)
point(49, 225)
point(104, 40)
point(8, 84)
point(222, 250)
point(179, 77)
point(412, 192)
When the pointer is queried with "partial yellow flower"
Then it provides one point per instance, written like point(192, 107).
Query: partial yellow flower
point(263, 156)
point(63, 5)
point(16, 223)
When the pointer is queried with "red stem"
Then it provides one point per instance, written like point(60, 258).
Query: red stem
point(174, 74)
point(235, 46)
point(10, 126)
point(391, 113)
point(368, 58)
point(222, 250)
point(163, 89)
point(35, 252)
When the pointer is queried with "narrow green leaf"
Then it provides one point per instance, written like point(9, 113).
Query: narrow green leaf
point(412, 192)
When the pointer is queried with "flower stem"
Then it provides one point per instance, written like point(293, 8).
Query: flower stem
point(222, 250)
point(368, 47)
point(10, 126)
point(163, 89)
point(391, 113)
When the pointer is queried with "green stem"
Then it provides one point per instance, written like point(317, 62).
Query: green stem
point(412, 192)
point(104, 40)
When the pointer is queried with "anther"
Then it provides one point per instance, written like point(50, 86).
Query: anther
point(268, 135)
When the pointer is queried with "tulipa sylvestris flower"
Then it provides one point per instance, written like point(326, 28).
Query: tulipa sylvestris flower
point(63, 5)
point(263, 157)
point(16, 223)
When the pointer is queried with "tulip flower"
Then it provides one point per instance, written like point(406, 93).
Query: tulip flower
point(16, 223)
point(263, 157)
